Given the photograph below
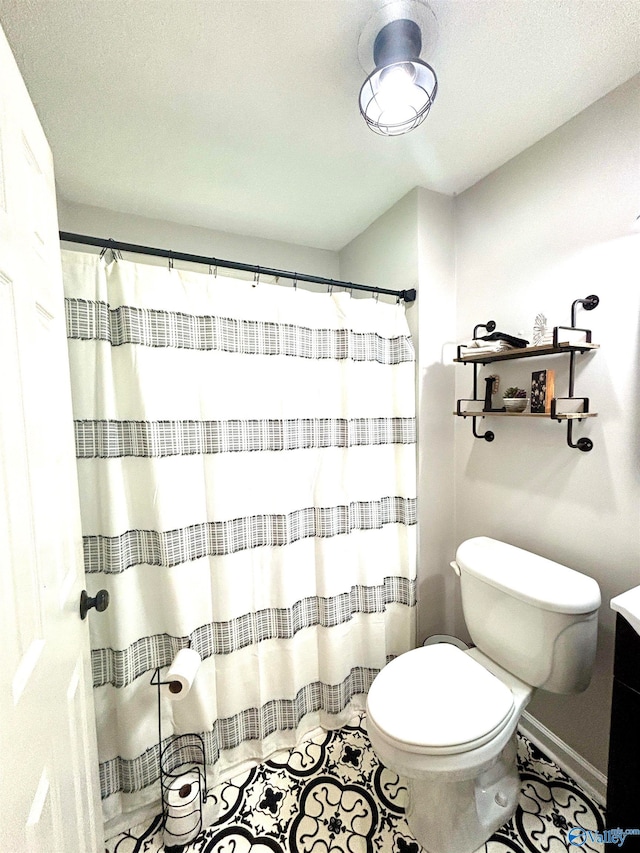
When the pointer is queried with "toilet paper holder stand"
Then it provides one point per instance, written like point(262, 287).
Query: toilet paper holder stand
point(183, 756)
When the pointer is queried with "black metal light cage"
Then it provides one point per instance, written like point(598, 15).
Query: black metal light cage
point(397, 47)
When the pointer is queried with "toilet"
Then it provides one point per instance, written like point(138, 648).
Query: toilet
point(445, 718)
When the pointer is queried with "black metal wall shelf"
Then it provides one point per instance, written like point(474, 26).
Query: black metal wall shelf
point(559, 346)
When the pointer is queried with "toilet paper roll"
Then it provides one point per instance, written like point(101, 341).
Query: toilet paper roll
point(183, 801)
point(183, 794)
point(182, 672)
point(195, 714)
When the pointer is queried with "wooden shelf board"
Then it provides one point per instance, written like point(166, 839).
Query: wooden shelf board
point(566, 416)
point(525, 352)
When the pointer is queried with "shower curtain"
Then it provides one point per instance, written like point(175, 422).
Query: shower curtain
point(246, 464)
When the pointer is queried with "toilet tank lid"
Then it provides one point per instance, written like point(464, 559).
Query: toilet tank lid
point(527, 576)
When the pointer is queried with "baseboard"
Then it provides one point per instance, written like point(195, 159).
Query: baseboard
point(590, 779)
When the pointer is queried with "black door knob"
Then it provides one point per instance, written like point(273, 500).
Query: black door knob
point(100, 602)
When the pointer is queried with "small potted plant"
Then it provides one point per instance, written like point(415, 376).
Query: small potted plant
point(515, 399)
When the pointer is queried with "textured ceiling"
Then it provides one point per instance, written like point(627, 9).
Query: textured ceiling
point(242, 115)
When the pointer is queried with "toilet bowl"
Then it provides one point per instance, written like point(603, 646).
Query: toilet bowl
point(459, 759)
point(446, 719)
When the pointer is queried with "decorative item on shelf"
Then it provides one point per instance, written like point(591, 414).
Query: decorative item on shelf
point(542, 391)
point(541, 335)
point(515, 399)
point(492, 383)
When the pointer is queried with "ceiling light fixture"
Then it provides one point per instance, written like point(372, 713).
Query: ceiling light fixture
point(397, 96)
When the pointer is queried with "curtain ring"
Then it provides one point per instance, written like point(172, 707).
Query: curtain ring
point(170, 262)
point(295, 282)
point(330, 289)
point(256, 277)
point(116, 255)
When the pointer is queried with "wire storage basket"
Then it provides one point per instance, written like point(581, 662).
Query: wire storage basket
point(183, 780)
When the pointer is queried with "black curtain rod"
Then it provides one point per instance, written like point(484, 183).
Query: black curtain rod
point(117, 245)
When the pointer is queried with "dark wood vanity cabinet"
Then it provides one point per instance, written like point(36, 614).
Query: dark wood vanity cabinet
point(623, 780)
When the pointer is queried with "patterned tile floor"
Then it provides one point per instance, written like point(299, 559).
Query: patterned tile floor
point(331, 795)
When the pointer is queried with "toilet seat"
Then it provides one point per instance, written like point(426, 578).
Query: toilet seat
point(438, 700)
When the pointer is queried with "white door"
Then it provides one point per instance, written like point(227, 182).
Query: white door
point(49, 796)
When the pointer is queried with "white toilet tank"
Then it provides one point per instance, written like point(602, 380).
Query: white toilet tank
point(533, 617)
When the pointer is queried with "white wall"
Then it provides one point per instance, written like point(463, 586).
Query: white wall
point(411, 245)
point(98, 222)
point(553, 225)
point(386, 253)
point(436, 426)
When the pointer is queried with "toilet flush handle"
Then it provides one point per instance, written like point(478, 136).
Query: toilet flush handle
point(455, 567)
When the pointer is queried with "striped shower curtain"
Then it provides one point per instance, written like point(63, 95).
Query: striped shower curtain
point(246, 464)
